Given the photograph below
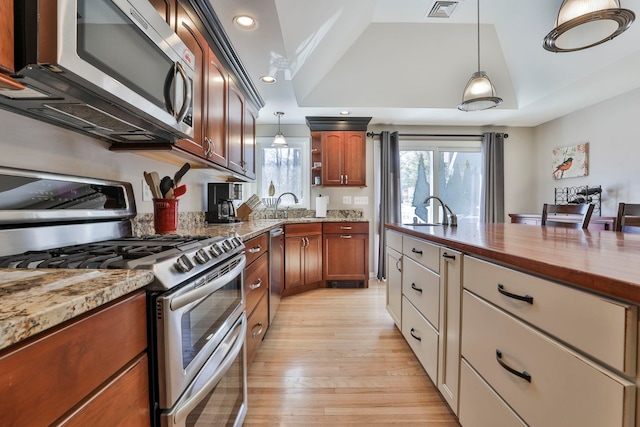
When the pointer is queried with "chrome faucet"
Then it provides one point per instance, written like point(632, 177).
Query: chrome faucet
point(445, 208)
point(295, 198)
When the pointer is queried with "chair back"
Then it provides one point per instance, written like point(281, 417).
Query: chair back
point(569, 216)
point(628, 219)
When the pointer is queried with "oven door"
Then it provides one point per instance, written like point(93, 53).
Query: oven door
point(191, 322)
point(218, 394)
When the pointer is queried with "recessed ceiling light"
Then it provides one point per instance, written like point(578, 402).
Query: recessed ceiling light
point(345, 113)
point(245, 22)
point(268, 80)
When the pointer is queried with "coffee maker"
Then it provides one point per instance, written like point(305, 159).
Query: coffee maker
point(220, 197)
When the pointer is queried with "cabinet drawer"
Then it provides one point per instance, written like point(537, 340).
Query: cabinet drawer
point(422, 338)
point(42, 379)
point(601, 327)
point(345, 227)
point(480, 406)
point(256, 247)
point(394, 240)
point(256, 282)
point(421, 286)
point(422, 252)
point(257, 325)
point(292, 230)
point(564, 389)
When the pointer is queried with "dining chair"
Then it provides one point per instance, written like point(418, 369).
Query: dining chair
point(568, 216)
point(628, 219)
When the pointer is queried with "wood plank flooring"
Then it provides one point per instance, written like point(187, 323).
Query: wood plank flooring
point(333, 357)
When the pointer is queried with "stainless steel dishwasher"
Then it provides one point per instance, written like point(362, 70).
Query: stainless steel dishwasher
point(276, 270)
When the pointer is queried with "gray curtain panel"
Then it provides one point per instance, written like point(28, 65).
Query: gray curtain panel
point(492, 194)
point(389, 192)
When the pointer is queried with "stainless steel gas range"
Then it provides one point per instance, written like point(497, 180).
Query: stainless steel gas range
point(196, 305)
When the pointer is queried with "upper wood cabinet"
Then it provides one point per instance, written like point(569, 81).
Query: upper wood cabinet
point(215, 117)
point(340, 144)
point(166, 9)
point(241, 133)
point(7, 64)
point(344, 159)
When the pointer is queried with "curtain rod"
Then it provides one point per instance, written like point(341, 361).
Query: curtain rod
point(437, 135)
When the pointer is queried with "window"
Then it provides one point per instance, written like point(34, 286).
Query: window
point(450, 171)
point(288, 169)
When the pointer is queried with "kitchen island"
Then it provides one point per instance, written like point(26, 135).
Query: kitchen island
point(521, 325)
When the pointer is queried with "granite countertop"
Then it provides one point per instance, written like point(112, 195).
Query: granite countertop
point(32, 301)
point(597, 260)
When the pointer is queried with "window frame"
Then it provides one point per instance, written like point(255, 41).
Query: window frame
point(304, 199)
point(438, 146)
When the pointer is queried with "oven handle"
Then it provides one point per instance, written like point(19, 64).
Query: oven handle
point(208, 288)
point(236, 339)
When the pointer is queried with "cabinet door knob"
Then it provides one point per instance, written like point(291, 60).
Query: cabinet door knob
point(256, 285)
point(255, 250)
point(414, 335)
point(255, 334)
point(416, 251)
point(415, 288)
point(346, 179)
point(397, 264)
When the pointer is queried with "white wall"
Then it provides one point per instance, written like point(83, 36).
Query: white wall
point(29, 144)
point(612, 129)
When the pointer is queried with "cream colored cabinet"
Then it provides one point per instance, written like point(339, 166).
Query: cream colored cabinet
point(549, 353)
point(394, 285)
point(543, 381)
point(450, 325)
point(421, 336)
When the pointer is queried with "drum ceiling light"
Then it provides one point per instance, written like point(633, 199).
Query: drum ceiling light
point(582, 24)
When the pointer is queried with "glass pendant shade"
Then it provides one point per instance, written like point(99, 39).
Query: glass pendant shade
point(278, 140)
point(585, 23)
point(479, 94)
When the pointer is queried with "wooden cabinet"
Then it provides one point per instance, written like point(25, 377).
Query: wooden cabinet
point(87, 369)
point(256, 291)
point(394, 276)
point(215, 117)
point(166, 9)
point(450, 326)
point(535, 342)
point(7, 59)
point(249, 142)
point(303, 256)
point(346, 251)
point(344, 158)
point(235, 110)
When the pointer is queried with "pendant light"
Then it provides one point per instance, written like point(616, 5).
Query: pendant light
point(479, 94)
point(278, 140)
point(585, 23)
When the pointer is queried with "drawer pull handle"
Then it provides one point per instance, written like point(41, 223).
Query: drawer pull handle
point(255, 334)
point(342, 227)
point(255, 250)
point(397, 264)
point(346, 236)
point(414, 335)
point(526, 298)
point(446, 255)
point(415, 288)
point(524, 375)
point(416, 251)
point(256, 285)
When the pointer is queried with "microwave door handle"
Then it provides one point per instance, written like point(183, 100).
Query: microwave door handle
point(168, 99)
point(186, 88)
point(186, 408)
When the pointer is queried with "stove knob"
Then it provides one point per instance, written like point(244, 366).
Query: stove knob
point(184, 264)
point(236, 241)
point(216, 250)
point(226, 244)
point(202, 257)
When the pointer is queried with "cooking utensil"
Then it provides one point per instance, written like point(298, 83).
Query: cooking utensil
point(165, 185)
point(179, 190)
point(253, 201)
point(178, 176)
point(155, 178)
point(153, 186)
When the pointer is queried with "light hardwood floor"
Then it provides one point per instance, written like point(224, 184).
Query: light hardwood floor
point(333, 357)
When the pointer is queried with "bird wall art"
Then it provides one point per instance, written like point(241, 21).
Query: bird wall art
point(571, 162)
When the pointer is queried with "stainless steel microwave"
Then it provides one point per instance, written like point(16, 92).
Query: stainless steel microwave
point(111, 68)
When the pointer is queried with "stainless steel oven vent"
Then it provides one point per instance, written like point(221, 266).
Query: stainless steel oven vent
point(442, 9)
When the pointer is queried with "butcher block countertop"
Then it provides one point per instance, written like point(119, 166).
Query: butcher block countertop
point(602, 261)
point(32, 301)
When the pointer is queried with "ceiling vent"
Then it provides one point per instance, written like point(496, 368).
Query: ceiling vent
point(442, 9)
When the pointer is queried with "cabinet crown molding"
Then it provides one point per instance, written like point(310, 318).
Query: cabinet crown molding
point(319, 123)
